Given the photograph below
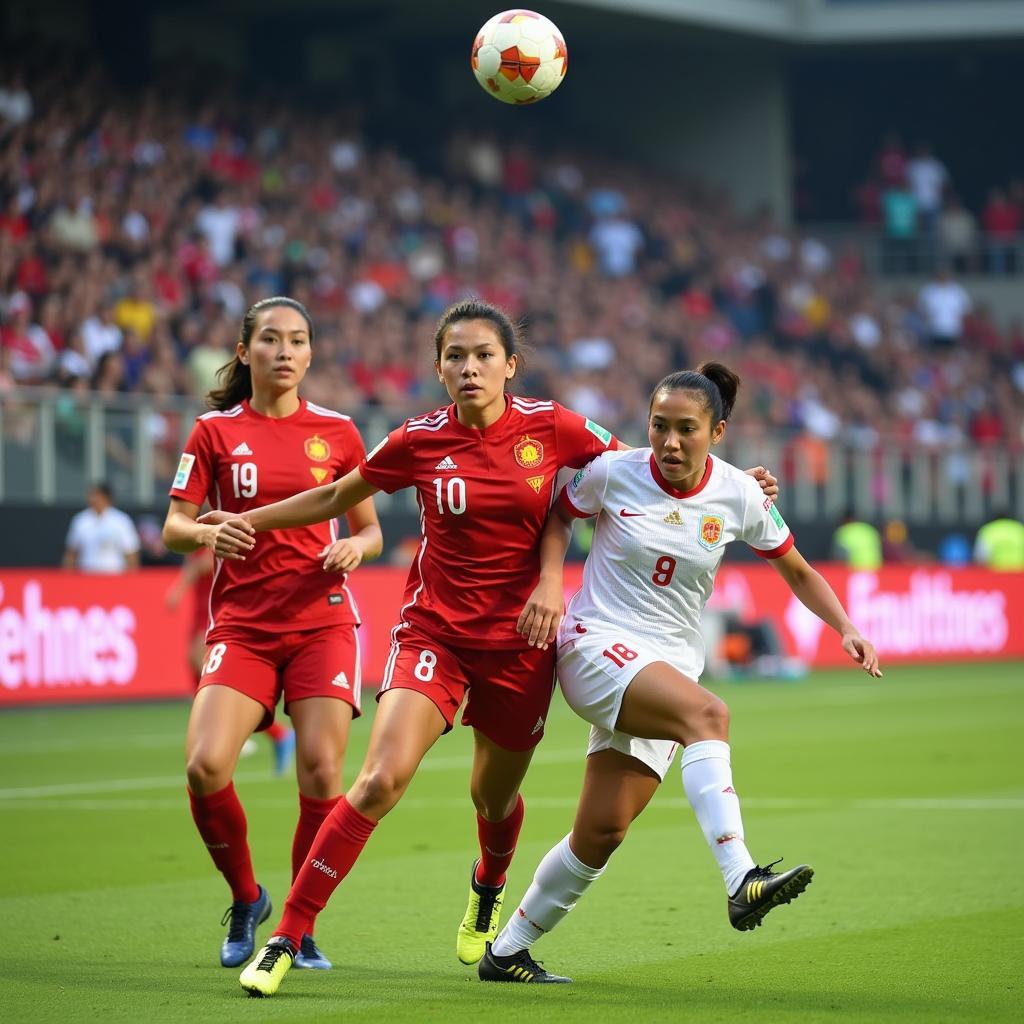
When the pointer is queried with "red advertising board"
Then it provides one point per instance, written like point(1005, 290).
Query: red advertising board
point(71, 637)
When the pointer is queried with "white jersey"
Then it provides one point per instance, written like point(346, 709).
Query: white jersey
point(657, 549)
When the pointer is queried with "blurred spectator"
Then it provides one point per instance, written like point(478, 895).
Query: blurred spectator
point(999, 544)
point(927, 177)
point(101, 538)
point(899, 225)
point(944, 304)
point(857, 544)
point(1001, 220)
point(958, 236)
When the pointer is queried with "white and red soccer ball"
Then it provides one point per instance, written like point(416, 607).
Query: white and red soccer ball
point(519, 57)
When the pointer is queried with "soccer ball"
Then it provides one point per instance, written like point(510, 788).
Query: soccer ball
point(519, 57)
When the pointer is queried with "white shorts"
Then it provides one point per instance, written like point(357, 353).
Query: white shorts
point(595, 666)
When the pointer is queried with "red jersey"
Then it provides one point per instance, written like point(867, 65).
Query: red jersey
point(484, 497)
point(240, 460)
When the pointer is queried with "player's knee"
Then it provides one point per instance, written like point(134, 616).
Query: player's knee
point(206, 774)
point(709, 721)
point(599, 841)
point(320, 776)
point(493, 806)
point(377, 789)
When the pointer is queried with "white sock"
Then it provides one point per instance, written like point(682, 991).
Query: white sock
point(560, 880)
point(707, 779)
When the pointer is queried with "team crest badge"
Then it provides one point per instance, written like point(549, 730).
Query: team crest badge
point(710, 532)
point(528, 452)
point(319, 475)
point(536, 482)
point(317, 448)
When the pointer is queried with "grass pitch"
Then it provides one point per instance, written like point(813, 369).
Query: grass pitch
point(906, 795)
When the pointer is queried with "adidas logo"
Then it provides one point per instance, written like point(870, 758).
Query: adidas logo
point(674, 518)
point(242, 449)
point(445, 463)
point(341, 680)
point(537, 728)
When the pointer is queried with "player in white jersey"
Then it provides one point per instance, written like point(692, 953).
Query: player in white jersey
point(630, 653)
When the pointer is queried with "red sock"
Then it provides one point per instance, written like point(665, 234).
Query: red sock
point(337, 846)
point(276, 732)
point(312, 813)
point(498, 845)
point(221, 823)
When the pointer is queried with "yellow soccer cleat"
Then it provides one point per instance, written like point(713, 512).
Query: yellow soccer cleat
point(264, 975)
point(480, 925)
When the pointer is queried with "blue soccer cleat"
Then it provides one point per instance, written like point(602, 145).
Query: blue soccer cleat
point(310, 957)
point(242, 919)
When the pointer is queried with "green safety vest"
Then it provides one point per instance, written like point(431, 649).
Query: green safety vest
point(862, 544)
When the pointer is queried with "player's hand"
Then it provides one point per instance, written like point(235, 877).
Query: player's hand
point(538, 621)
point(231, 536)
point(342, 556)
point(862, 652)
point(769, 485)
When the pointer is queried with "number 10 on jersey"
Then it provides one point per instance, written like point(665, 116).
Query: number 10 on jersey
point(451, 492)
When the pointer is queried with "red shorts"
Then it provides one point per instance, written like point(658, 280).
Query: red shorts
point(307, 663)
point(507, 692)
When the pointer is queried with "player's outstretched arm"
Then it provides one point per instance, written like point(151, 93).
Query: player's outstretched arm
point(539, 619)
point(317, 505)
point(813, 591)
point(364, 543)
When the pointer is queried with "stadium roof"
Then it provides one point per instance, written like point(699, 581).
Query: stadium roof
point(838, 21)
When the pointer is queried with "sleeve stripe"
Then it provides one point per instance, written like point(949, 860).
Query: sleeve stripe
point(565, 502)
point(776, 552)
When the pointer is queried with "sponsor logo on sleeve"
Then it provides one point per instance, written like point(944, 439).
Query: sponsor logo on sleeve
point(777, 518)
point(317, 448)
point(579, 476)
point(184, 470)
point(599, 432)
point(709, 534)
point(529, 453)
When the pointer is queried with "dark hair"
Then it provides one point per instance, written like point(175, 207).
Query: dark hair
point(104, 488)
point(717, 383)
point(477, 309)
point(235, 377)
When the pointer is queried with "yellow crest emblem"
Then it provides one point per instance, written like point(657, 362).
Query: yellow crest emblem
point(319, 475)
point(528, 452)
point(710, 533)
point(317, 448)
point(536, 482)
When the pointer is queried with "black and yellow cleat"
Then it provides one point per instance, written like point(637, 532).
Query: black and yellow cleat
point(519, 967)
point(480, 925)
point(263, 976)
point(763, 889)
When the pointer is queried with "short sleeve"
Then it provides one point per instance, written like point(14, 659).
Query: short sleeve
point(764, 529)
point(580, 439)
point(583, 496)
point(195, 467)
point(355, 450)
point(389, 465)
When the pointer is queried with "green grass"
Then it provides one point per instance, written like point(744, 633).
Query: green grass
point(907, 795)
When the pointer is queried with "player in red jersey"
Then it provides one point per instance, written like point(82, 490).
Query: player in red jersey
point(483, 469)
point(279, 624)
point(197, 575)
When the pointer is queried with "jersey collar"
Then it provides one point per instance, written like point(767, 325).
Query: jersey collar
point(668, 488)
point(494, 428)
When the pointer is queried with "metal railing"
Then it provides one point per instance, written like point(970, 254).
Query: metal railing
point(54, 443)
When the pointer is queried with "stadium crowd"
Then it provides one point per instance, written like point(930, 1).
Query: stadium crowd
point(135, 227)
